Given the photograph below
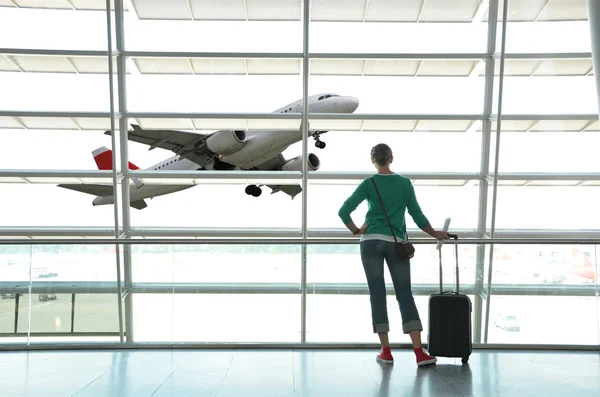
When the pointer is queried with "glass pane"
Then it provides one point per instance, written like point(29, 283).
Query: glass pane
point(56, 84)
point(14, 262)
point(437, 202)
point(549, 95)
point(69, 207)
point(216, 318)
point(216, 264)
point(538, 151)
point(155, 26)
point(327, 314)
point(54, 27)
point(446, 149)
point(544, 320)
point(205, 82)
point(50, 313)
point(425, 37)
point(96, 313)
point(7, 313)
point(455, 91)
point(194, 207)
point(53, 143)
point(530, 207)
point(539, 26)
point(545, 265)
point(342, 264)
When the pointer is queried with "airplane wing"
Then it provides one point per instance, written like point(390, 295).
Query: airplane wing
point(96, 190)
point(290, 190)
point(186, 144)
point(272, 165)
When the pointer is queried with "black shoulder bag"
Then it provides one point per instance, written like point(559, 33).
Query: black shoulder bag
point(404, 249)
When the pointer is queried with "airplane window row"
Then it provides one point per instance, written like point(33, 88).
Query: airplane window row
point(164, 165)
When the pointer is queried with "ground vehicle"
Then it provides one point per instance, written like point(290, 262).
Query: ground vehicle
point(46, 297)
point(507, 322)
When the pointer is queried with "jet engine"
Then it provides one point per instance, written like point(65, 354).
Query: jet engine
point(226, 142)
point(295, 164)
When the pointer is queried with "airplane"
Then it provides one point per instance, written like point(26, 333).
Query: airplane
point(222, 150)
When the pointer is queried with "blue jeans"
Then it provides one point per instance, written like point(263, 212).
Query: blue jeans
point(373, 253)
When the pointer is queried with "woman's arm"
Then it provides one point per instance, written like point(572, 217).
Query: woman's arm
point(420, 219)
point(357, 197)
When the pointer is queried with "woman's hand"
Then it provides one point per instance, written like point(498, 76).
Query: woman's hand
point(362, 229)
point(440, 235)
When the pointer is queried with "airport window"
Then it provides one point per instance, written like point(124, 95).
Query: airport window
point(433, 107)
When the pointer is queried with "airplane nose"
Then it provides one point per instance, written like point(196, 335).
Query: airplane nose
point(350, 104)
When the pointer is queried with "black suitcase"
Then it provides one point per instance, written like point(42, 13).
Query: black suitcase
point(450, 319)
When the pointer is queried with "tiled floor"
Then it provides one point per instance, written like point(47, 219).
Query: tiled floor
point(264, 373)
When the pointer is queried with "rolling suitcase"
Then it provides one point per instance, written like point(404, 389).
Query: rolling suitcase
point(450, 319)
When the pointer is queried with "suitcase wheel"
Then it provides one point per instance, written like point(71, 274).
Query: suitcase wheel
point(465, 360)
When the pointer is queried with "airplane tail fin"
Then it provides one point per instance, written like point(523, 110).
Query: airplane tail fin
point(103, 159)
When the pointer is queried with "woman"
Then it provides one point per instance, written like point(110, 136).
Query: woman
point(377, 244)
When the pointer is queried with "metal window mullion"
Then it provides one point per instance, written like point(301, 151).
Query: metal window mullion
point(114, 170)
point(485, 163)
point(496, 167)
point(123, 146)
point(305, 131)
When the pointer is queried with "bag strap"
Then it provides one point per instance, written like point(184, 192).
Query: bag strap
point(384, 211)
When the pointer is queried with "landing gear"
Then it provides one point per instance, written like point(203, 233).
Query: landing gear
point(319, 143)
point(253, 190)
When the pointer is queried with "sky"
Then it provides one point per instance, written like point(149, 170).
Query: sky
point(421, 151)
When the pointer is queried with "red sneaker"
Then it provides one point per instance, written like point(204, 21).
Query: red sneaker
point(424, 358)
point(385, 356)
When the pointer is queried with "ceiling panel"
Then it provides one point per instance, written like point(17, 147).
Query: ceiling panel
point(393, 10)
point(218, 124)
point(391, 67)
point(336, 125)
point(444, 10)
point(50, 123)
point(167, 123)
point(95, 123)
point(33, 63)
point(522, 10)
point(44, 3)
point(6, 3)
point(163, 65)
point(337, 10)
point(93, 64)
point(274, 9)
point(444, 125)
point(276, 125)
point(560, 125)
point(158, 9)
point(274, 66)
point(6, 65)
point(219, 66)
point(564, 67)
point(513, 125)
point(352, 67)
point(518, 67)
point(389, 125)
point(565, 10)
point(218, 9)
point(94, 4)
point(446, 67)
point(9, 122)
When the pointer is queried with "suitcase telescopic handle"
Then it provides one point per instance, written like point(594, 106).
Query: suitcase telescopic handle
point(455, 237)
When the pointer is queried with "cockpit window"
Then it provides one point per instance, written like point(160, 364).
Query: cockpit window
point(326, 96)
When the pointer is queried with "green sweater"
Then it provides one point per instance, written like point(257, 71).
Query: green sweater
point(398, 195)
